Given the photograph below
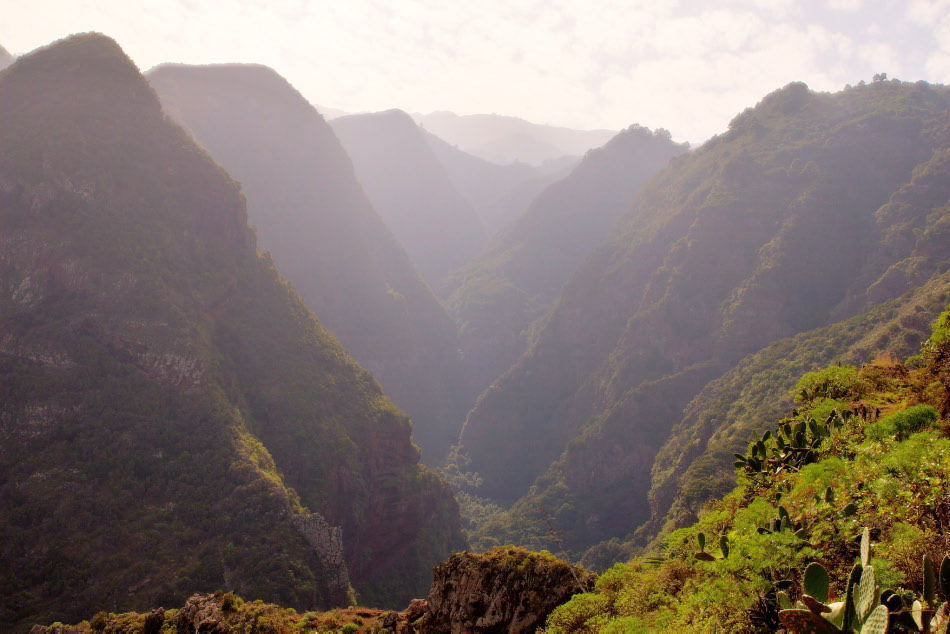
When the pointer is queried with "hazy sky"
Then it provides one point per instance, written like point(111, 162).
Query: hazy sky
point(687, 66)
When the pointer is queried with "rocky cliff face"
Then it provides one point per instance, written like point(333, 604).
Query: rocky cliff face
point(327, 542)
point(149, 355)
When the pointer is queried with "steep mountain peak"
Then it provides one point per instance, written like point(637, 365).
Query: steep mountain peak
point(394, 127)
point(85, 75)
point(89, 57)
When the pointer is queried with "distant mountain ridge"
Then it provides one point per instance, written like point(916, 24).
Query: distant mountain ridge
point(490, 187)
point(312, 215)
point(412, 192)
point(173, 416)
point(781, 225)
point(5, 58)
point(504, 139)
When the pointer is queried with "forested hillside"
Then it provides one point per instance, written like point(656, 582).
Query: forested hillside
point(795, 218)
point(695, 463)
point(325, 236)
point(173, 417)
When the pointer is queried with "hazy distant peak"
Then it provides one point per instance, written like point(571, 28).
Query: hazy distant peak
point(390, 128)
point(394, 116)
point(505, 139)
point(510, 122)
point(5, 58)
point(637, 130)
point(229, 70)
point(225, 72)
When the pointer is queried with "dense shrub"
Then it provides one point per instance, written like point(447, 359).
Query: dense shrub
point(902, 424)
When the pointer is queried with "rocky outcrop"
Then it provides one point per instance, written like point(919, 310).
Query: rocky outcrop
point(506, 589)
point(327, 542)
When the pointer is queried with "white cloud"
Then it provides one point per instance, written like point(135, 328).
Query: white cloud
point(847, 6)
point(689, 66)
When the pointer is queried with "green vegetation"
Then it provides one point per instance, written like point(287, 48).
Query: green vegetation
point(694, 465)
point(859, 533)
point(790, 222)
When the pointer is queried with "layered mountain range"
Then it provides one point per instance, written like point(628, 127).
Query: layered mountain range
point(412, 192)
point(325, 236)
point(497, 297)
point(173, 417)
point(499, 194)
point(811, 209)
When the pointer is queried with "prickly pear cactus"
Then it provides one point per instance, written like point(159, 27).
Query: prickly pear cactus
point(816, 581)
point(876, 622)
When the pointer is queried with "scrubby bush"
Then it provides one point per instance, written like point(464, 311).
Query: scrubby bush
point(837, 382)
